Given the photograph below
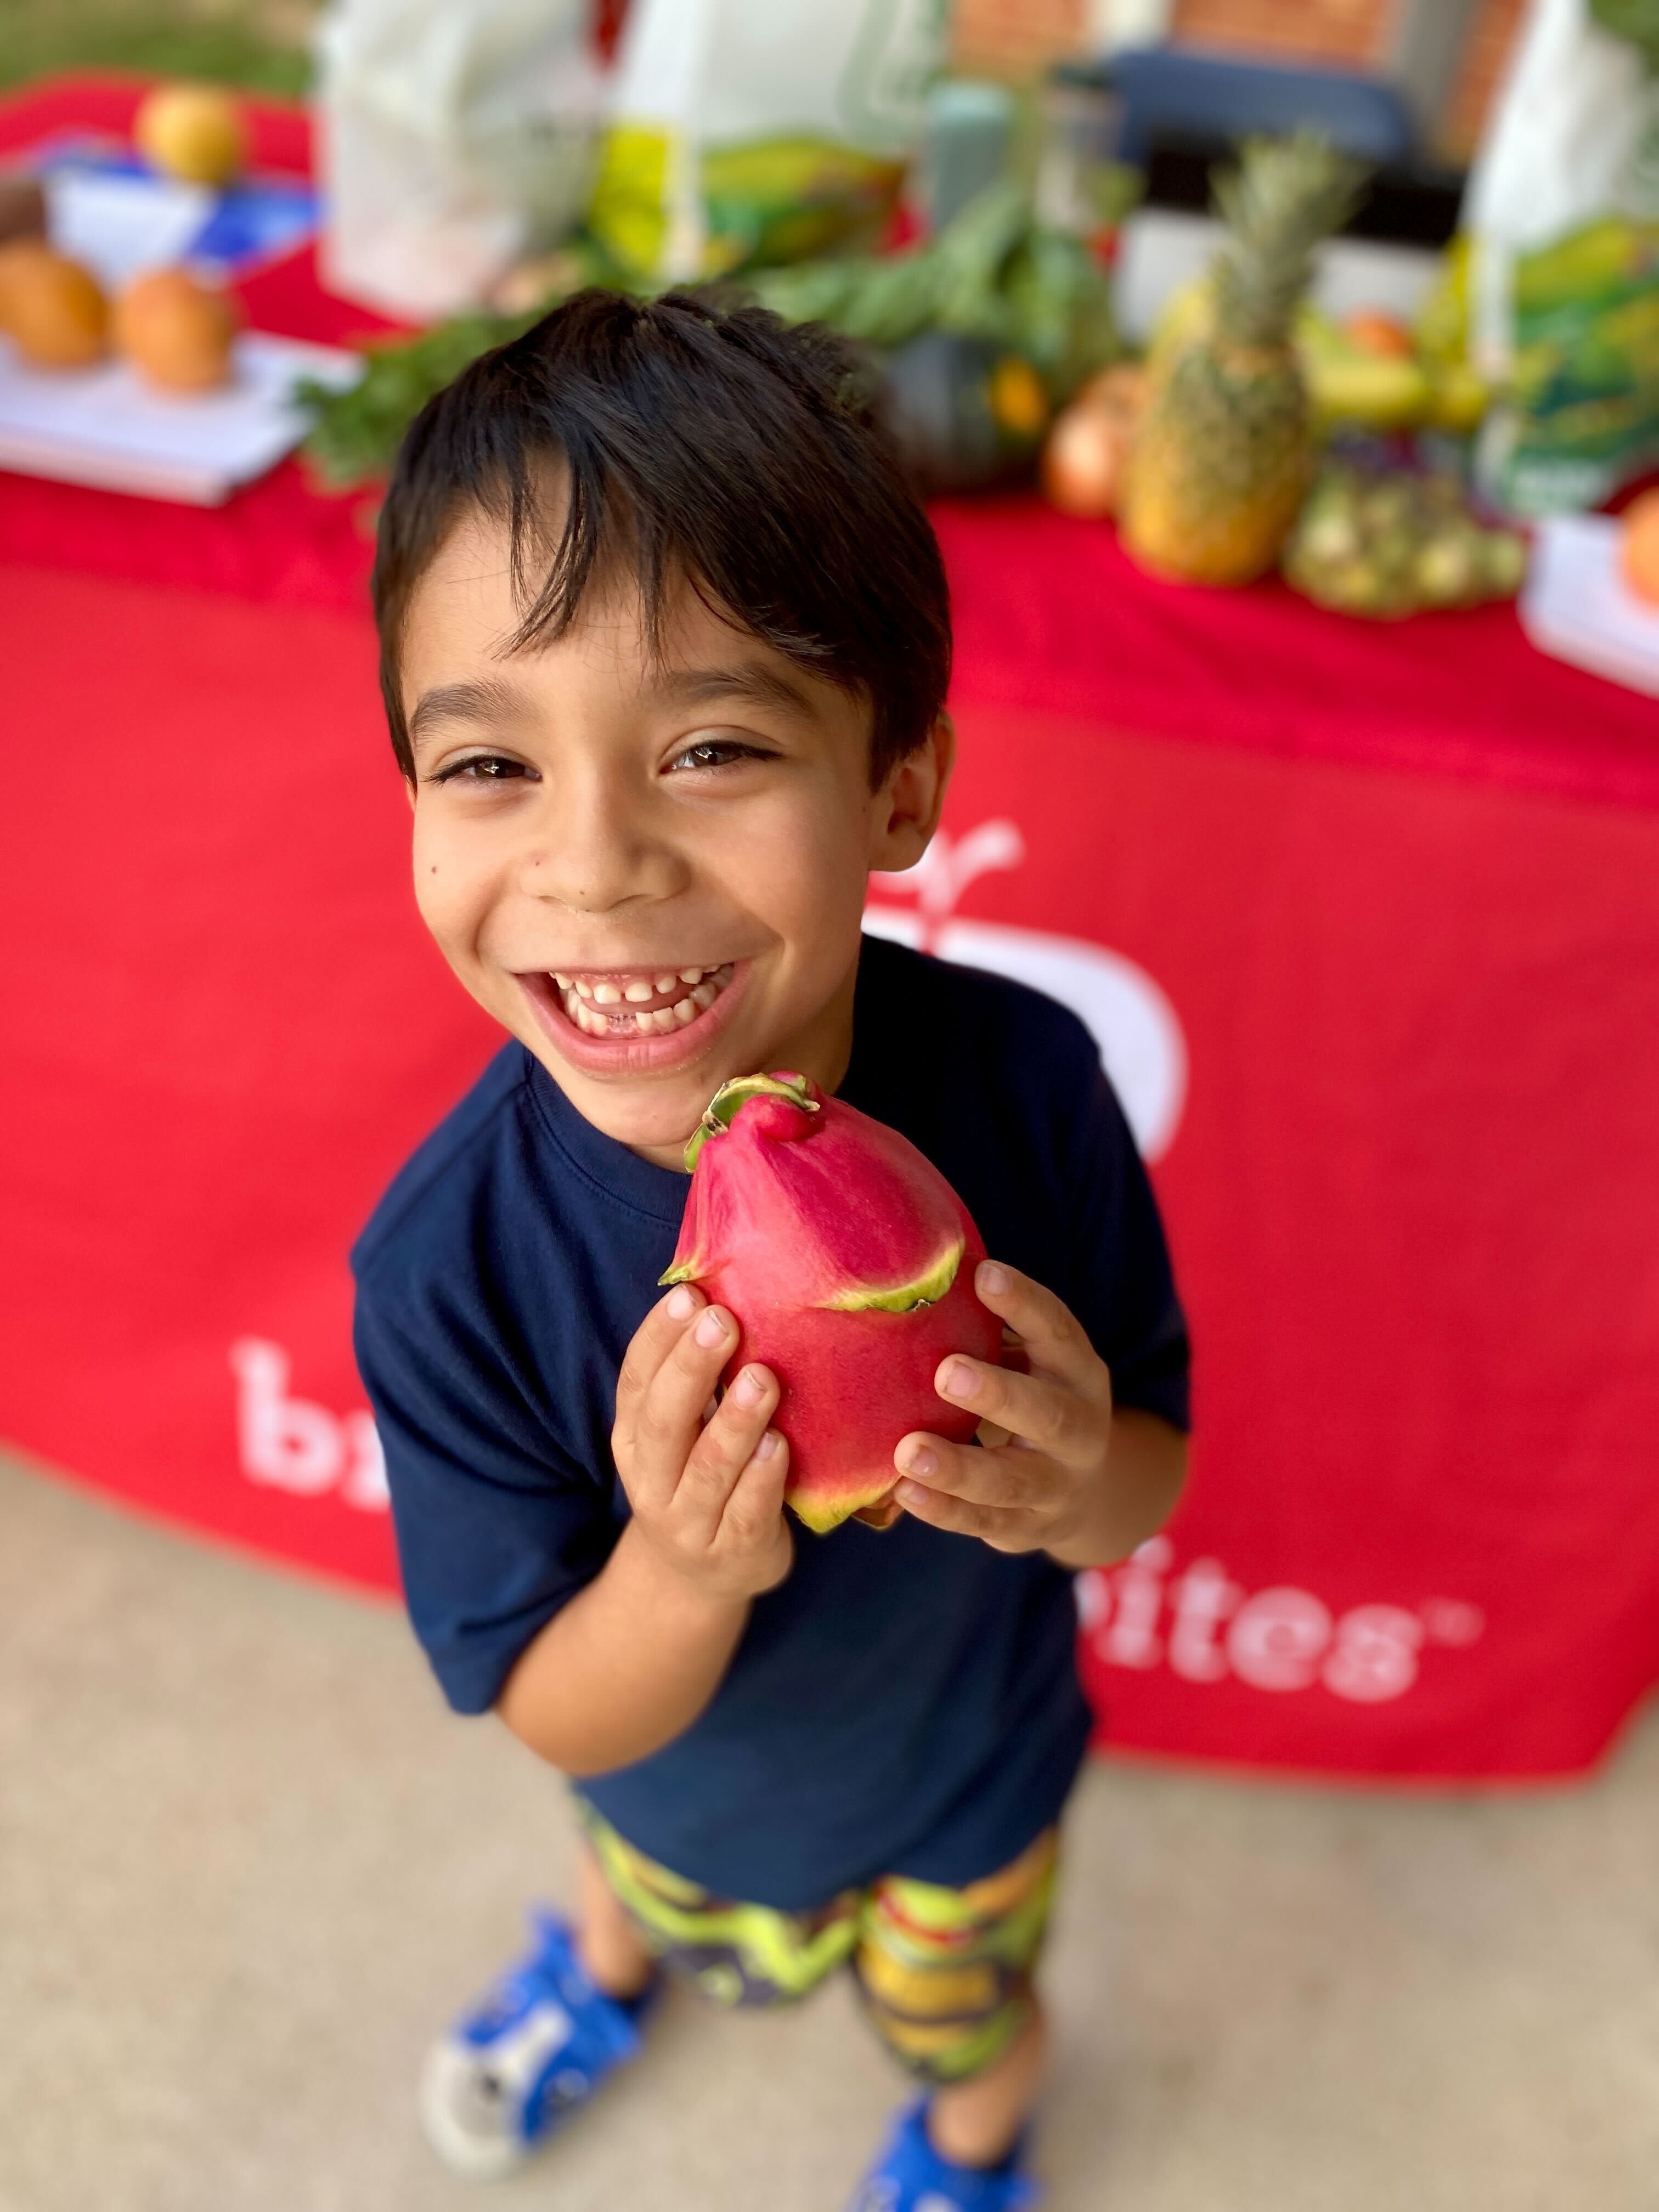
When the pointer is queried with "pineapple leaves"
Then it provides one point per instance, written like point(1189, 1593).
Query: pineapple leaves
point(1285, 197)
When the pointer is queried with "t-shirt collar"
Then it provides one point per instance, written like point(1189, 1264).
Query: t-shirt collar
point(619, 1173)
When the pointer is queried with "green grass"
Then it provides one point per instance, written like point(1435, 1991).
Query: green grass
point(259, 46)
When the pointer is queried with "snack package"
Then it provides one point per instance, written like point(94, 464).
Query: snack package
point(1554, 292)
point(743, 135)
point(454, 141)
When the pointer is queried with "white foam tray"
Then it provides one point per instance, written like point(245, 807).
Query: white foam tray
point(1575, 606)
point(104, 426)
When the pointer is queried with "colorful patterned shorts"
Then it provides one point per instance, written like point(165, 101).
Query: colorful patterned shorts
point(944, 1974)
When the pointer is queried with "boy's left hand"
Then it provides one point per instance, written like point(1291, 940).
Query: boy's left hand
point(1034, 1480)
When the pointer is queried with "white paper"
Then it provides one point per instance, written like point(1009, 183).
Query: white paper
point(1577, 606)
point(104, 426)
point(118, 224)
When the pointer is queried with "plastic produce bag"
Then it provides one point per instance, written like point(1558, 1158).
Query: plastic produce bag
point(456, 138)
point(751, 131)
point(1559, 276)
point(1562, 142)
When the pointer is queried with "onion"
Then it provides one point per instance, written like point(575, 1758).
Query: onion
point(1084, 461)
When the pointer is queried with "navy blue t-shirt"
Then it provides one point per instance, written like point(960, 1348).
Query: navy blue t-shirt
point(907, 1700)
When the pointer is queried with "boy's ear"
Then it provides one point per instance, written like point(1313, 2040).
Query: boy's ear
point(909, 802)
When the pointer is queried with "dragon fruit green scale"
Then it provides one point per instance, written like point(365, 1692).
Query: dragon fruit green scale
point(848, 1262)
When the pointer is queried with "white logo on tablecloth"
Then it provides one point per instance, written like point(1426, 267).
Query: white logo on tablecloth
point(288, 1443)
point(1205, 1627)
point(1136, 1028)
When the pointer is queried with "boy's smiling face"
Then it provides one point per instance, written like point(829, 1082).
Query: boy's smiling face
point(650, 868)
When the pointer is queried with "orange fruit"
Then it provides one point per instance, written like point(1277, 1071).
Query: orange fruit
point(1373, 331)
point(191, 131)
point(1018, 401)
point(176, 330)
point(1638, 546)
point(51, 307)
point(13, 254)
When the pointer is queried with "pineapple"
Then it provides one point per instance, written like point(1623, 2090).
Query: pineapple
point(1223, 453)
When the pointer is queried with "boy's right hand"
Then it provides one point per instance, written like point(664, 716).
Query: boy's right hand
point(708, 1496)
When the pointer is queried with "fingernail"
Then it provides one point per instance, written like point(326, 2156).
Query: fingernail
point(920, 1461)
point(767, 1446)
point(682, 1303)
point(993, 1280)
point(711, 1329)
point(749, 1389)
point(959, 1379)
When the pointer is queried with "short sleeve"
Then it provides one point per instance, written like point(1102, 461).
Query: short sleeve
point(497, 1527)
point(1123, 1286)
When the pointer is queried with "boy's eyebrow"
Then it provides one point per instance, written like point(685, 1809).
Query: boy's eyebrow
point(749, 679)
point(488, 699)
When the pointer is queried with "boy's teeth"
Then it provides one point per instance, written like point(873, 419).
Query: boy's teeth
point(589, 1004)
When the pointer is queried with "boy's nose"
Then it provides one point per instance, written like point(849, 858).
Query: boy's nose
point(592, 857)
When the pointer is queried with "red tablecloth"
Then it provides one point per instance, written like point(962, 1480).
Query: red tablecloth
point(1368, 920)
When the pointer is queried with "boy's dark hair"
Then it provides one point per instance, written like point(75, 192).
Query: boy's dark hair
point(690, 436)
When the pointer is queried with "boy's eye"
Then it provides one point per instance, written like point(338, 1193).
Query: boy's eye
point(482, 768)
point(717, 752)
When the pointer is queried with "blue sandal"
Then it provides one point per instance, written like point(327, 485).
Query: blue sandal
point(539, 2045)
point(910, 2175)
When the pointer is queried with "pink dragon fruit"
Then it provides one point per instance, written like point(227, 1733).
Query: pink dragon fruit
point(848, 1262)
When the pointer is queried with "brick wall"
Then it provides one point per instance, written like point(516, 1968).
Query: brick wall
point(1015, 37)
point(1024, 33)
point(1352, 31)
point(1484, 60)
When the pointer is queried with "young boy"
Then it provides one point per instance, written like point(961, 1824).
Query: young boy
point(666, 640)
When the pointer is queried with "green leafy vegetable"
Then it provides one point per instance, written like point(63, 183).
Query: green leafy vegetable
point(995, 274)
point(355, 434)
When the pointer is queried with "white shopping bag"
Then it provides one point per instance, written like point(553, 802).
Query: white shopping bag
point(748, 131)
point(1561, 147)
point(456, 137)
